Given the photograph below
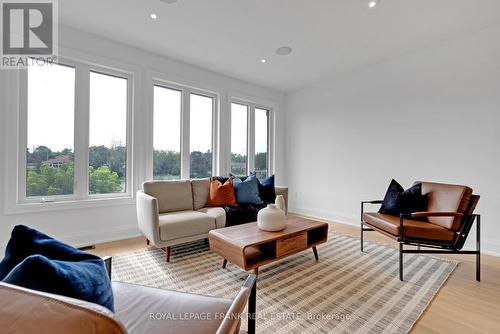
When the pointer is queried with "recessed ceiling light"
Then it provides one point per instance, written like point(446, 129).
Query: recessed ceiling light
point(263, 60)
point(284, 50)
point(372, 4)
point(168, 1)
point(153, 16)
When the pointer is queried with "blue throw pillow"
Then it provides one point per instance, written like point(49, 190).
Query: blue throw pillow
point(36, 261)
point(247, 191)
point(267, 192)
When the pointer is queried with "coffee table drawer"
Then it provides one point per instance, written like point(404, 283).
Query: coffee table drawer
point(291, 244)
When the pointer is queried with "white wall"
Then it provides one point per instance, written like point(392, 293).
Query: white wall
point(433, 115)
point(91, 225)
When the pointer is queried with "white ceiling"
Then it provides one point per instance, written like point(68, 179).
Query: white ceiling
point(328, 37)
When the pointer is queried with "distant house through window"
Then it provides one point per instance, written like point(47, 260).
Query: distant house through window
point(107, 134)
point(76, 132)
point(50, 130)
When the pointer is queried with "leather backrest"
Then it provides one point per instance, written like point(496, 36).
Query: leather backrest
point(32, 312)
point(171, 195)
point(449, 198)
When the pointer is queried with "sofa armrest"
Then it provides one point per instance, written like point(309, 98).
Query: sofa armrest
point(148, 216)
point(231, 321)
point(284, 192)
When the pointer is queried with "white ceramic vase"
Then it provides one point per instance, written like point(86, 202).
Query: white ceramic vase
point(271, 218)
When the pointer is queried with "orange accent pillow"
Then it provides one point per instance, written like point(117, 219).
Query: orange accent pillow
point(221, 194)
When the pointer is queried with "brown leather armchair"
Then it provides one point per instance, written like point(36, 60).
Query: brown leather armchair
point(443, 228)
point(138, 309)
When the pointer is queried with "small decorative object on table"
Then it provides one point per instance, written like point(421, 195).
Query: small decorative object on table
point(271, 218)
point(280, 203)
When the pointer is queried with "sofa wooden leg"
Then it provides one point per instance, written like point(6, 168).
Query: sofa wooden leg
point(224, 263)
point(147, 242)
point(167, 252)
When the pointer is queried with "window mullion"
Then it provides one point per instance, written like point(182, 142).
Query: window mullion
point(82, 98)
point(185, 125)
point(251, 139)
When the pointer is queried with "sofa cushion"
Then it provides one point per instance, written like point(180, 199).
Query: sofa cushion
point(171, 195)
point(149, 310)
point(36, 261)
point(181, 224)
point(412, 228)
point(201, 190)
point(446, 198)
point(217, 213)
point(267, 191)
point(247, 191)
point(221, 194)
point(242, 213)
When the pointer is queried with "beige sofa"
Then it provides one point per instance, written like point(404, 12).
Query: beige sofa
point(175, 212)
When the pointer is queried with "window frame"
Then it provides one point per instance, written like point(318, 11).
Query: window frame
point(185, 131)
point(251, 105)
point(231, 102)
point(81, 132)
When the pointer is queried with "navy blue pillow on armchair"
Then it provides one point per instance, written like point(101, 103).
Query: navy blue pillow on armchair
point(36, 261)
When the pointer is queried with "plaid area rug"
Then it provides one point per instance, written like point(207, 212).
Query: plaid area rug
point(345, 292)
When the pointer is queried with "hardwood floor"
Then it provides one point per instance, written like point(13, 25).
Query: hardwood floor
point(461, 306)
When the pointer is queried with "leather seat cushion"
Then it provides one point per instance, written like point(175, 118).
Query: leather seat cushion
point(148, 310)
point(171, 195)
point(181, 224)
point(412, 228)
point(219, 214)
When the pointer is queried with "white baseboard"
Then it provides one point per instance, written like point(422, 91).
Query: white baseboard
point(489, 247)
point(89, 238)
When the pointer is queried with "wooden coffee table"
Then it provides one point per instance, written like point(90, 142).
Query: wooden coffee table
point(250, 248)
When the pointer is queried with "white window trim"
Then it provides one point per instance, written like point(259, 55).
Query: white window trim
point(17, 141)
point(186, 91)
point(252, 105)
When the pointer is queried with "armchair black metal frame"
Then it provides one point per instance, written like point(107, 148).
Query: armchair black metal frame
point(436, 247)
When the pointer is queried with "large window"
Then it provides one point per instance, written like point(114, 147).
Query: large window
point(250, 129)
point(239, 139)
point(167, 133)
point(50, 131)
point(261, 142)
point(183, 136)
point(200, 143)
point(108, 134)
point(76, 132)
